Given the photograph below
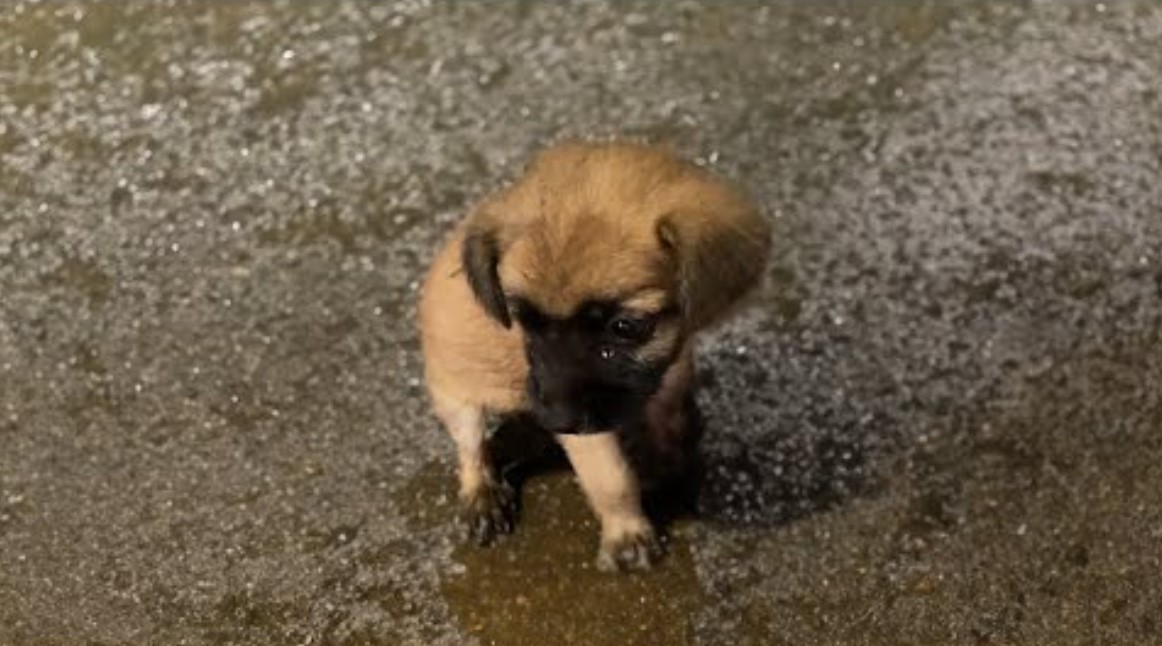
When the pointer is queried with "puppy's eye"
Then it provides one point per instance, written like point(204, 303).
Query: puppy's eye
point(631, 329)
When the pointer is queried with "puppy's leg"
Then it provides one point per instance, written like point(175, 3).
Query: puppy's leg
point(627, 538)
point(488, 503)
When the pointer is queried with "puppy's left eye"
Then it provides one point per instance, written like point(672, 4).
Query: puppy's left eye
point(631, 329)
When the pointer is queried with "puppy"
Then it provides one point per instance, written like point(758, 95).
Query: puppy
point(573, 296)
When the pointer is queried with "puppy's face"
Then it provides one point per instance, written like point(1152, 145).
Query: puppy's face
point(608, 257)
point(598, 309)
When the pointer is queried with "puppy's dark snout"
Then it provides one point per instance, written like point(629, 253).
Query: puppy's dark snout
point(552, 405)
point(557, 418)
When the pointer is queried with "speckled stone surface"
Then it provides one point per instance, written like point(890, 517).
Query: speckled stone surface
point(940, 421)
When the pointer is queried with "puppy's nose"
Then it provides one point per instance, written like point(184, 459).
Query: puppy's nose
point(556, 418)
point(551, 409)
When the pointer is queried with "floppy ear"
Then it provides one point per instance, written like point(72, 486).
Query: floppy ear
point(480, 255)
point(720, 246)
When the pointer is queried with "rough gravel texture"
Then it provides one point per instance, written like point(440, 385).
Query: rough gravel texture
point(940, 422)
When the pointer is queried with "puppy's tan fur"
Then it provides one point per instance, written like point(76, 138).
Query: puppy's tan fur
point(620, 222)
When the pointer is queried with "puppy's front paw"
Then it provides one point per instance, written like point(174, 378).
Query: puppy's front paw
point(632, 546)
point(489, 512)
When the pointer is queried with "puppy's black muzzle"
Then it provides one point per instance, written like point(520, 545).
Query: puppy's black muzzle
point(572, 391)
point(554, 407)
point(582, 409)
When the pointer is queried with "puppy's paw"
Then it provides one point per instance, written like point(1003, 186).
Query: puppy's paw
point(632, 546)
point(489, 512)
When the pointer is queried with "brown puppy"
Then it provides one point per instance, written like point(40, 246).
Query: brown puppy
point(574, 296)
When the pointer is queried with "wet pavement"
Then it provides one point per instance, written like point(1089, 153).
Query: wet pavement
point(941, 421)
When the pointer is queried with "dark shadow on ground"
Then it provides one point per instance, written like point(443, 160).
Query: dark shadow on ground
point(734, 480)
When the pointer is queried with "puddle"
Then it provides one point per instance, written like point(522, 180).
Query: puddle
point(540, 585)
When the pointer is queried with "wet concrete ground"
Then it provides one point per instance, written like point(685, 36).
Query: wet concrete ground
point(941, 422)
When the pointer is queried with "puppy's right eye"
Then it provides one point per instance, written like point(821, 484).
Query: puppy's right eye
point(631, 329)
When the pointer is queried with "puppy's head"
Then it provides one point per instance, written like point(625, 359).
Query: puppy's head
point(608, 257)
